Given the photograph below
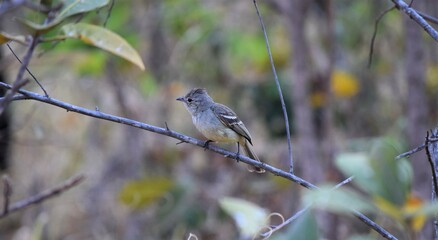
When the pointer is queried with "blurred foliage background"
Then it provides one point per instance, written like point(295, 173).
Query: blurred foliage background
point(142, 185)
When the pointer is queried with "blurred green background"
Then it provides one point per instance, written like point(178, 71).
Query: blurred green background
point(346, 119)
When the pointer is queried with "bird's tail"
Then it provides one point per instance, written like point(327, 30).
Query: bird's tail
point(250, 152)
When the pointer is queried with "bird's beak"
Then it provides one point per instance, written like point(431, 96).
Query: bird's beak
point(180, 99)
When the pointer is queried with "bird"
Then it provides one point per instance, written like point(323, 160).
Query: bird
point(218, 123)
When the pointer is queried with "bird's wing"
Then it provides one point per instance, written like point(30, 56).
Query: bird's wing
point(230, 119)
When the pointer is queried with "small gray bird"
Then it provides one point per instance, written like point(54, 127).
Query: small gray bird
point(217, 122)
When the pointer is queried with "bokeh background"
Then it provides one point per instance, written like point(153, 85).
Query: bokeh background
point(140, 185)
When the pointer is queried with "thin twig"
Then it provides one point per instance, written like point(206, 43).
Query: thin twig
point(348, 180)
point(42, 196)
point(409, 153)
point(414, 15)
point(415, 150)
point(424, 15)
point(428, 17)
point(19, 81)
point(28, 71)
point(170, 133)
point(376, 25)
point(109, 13)
point(277, 82)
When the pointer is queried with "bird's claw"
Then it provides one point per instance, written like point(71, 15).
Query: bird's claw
point(206, 144)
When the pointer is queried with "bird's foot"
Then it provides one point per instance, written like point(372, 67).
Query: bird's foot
point(206, 144)
point(238, 157)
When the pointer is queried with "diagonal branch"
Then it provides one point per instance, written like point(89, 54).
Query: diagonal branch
point(414, 15)
point(25, 95)
point(42, 196)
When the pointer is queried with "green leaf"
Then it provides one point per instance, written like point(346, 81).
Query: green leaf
point(393, 176)
point(73, 7)
point(377, 172)
point(249, 217)
point(104, 39)
point(141, 193)
point(69, 8)
point(337, 200)
point(362, 237)
point(358, 165)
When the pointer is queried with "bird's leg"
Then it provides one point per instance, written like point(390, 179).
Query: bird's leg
point(238, 152)
point(207, 143)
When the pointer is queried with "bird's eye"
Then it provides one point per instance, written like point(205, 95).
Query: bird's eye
point(189, 100)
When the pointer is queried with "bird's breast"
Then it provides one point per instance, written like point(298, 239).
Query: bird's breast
point(213, 129)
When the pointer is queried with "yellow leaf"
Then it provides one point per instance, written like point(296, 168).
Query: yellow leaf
point(388, 208)
point(5, 37)
point(412, 205)
point(143, 192)
point(432, 79)
point(344, 84)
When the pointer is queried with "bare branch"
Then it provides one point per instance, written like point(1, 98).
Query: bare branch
point(163, 131)
point(42, 196)
point(170, 133)
point(432, 165)
point(433, 162)
point(283, 105)
point(409, 153)
point(412, 13)
point(415, 150)
point(348, 180)
point(374, 226)
point(428, 17)
point(28, 71)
